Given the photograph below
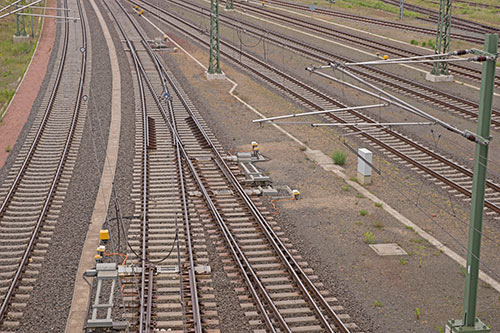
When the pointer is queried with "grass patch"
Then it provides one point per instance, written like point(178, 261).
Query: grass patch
point(369, 237)
point(358, 223)
point(363, 212)
point(378, 204)
point(407, 227)
point(14, 58)
point(359, 196)
point(403, 261)
point(378, 224)
point(345, 188)
point(377, 304)
point(7, 149)
point(339, 157)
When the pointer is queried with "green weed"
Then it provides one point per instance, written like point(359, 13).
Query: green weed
point(378, 204)
point(369, 238)
point(378, 224)
point(377, 304)
point(363, 212)
point(339, 157)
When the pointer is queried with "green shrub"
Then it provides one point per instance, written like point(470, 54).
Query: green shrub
point(339, 157)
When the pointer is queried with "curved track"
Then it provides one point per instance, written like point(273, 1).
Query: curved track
point(421, 92)
point(37, 183)
point(433, 15)
point(451, 175)
point(285, 297)
point(370, 20)
point(468, 71)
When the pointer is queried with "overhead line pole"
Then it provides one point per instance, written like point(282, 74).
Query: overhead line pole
point(469, 322)
point(443, 36)
point(214, 59)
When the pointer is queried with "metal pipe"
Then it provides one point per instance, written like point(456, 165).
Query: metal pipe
point(51, 16)
point(20, 9)
point(458, 52)
point(372, 124)
point(8, 6)
point(387, 62)
point(319, 112)
point(397, 101)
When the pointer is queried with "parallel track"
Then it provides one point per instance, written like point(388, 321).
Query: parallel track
point(446, 101)
point(452, 176)
point(462, 70)
point(288, 301)
point(433, 15)
point(370, 20)
point(37, 183)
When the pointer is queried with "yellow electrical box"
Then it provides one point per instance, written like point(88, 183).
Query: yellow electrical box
point(104, 234)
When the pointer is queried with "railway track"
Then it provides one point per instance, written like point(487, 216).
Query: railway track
point(450, 175)
point(468, 71)
point(464, 24)
point(183, 164)
point(370, 20)
point(34, 190)
point(420, 92)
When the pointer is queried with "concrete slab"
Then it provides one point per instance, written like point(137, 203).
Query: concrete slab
point(215, 76)
point(438, 78)
point(389, 249)
point(19, 39)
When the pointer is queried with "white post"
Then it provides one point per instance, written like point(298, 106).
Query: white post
point(364, 168)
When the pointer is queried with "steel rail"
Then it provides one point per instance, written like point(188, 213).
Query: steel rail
point(34, 235)
point(378, 75)
point(360, 18)
point(241, 259)
point(470, 25)
point(300, 277)
point(248, 272)
point(191, 271)
point(459, 69)
point(317, 93)
point(358, 40)
point(145, 300)
point(39, 133)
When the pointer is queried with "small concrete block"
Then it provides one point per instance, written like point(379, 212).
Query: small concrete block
point(364, 162)
point(364, 180)
point(244, 157)
point(19, 39)
point(269, 191)
point(202, 269)
point(215, 76)
point(390, 249)
point(167, 269)
point(438, 78)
